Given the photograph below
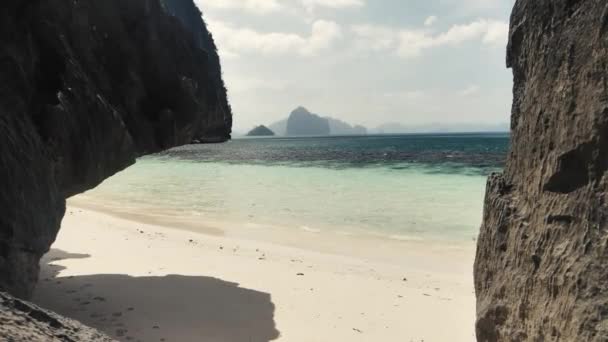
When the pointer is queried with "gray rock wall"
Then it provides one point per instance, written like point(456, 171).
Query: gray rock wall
point(541, 268)
point(86, 87)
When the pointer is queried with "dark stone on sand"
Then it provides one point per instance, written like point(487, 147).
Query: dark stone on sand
point(24, 321)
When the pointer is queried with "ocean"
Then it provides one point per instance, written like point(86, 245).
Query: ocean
point(402, 187)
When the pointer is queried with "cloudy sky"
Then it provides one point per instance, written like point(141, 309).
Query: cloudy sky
point(364, 61)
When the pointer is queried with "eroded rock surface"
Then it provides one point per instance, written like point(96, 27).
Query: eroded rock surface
point(24, 321)
point(541, 271)
point(86, 87)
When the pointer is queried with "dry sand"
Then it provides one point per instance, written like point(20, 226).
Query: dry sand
point(143, 282)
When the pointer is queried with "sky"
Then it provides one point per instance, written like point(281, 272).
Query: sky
point(369, 62)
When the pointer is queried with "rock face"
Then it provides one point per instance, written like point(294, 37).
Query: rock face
point(23, 321)
point(541, 267)
point(86, 87)
point(212, 127)
point(302, 123)
point(261, 131)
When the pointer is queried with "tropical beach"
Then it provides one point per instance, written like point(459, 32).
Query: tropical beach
point(143, 282)
point(158, 184)
point(323, 247)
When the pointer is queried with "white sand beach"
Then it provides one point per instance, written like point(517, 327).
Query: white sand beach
point(144, 282)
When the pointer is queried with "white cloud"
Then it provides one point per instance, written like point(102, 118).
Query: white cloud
point(269, 6)
point(413, 42)
point(482, 4)
point(336, 4)
point(429, 21)
point(469, 90)
point(232, 41)
point(490, 32)
point(409, 95)
point(375, 37)
point(257, 6)
point(497, 33)
point(238, 84)
point(324, 33)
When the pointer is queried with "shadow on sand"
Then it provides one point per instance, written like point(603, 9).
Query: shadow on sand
point(168, 308)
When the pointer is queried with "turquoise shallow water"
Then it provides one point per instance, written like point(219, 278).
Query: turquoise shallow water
point(401, 187)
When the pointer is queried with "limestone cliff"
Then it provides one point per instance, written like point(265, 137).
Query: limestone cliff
point(540, 270)
point(86, 87)
point(301, 122)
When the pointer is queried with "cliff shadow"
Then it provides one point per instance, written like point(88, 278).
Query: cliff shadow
point(157, 308)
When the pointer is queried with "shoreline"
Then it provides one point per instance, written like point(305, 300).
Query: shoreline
point(138, 281)
point(347, 243)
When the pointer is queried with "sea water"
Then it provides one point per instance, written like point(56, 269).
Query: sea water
point(402, 187)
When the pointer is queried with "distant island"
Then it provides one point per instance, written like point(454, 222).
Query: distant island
point(261, 131)
point(302, 122)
